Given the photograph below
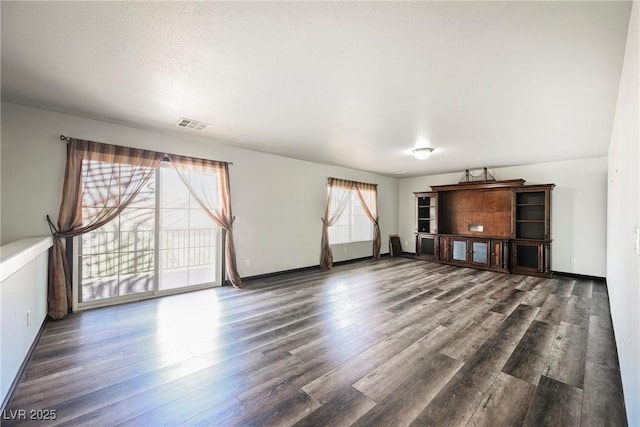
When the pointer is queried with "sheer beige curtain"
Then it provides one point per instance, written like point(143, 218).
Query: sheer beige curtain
point(338, 194)
point(105, 179)
point(368, 194)
point(208, 182)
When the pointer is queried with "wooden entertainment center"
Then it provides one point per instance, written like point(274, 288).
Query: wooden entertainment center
point(493, 225)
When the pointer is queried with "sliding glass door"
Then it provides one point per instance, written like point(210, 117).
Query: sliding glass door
point(163, 242)
point(188, 236)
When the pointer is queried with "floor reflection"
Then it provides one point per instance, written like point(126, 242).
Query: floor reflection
point(188, 319)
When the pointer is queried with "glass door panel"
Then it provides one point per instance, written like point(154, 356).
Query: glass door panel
point(203, 240)
point(459, 250)
point(137, 250)
point(118, 259)
point(173, 272)
point(99, 276)
point(188, 244)
point(480, 253)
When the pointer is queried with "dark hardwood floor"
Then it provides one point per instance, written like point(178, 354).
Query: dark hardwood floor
point(392, 342)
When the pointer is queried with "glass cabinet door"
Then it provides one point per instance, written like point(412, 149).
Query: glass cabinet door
point(459, 250)
point(480, 253)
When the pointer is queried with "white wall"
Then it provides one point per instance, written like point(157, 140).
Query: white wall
point(623, 267)
point(277, 201)
point(23, 289)
point(578, 214)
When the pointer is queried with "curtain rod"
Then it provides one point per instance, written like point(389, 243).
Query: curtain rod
point(67, 139)
point(349, 180)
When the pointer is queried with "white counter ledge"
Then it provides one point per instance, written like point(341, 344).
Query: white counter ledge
point(16, 255)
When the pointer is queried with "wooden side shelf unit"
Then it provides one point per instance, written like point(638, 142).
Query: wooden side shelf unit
point(497, 225)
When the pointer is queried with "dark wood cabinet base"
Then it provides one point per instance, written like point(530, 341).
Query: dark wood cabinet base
point(526, 257)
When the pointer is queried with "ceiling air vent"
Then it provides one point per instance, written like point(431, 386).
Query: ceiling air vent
point(192, 124)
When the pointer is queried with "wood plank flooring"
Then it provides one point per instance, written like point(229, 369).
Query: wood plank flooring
point(393, 342)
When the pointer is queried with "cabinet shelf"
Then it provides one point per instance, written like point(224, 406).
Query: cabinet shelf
point(426, 204)
point(529, 240)
point(530, 198)
point(530, 212)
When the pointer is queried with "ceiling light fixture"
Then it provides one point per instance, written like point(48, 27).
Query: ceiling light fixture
point(422, 152)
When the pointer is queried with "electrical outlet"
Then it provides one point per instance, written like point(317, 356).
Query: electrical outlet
point(28, 317)
point(247, 262)
point(573, 260)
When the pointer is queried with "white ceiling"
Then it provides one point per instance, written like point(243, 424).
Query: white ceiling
point(353, 84)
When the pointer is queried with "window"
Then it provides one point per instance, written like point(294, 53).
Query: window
point(352, 225)
point(351, 215)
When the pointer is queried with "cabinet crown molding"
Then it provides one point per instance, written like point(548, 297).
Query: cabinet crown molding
point(509, 183)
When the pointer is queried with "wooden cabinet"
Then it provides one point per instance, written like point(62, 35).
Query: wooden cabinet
point(475, 252)
point(426, 212)
point(532, 211)
point(500, 255)
point(444, 249)
point(426, 225)
point(501, 225)
point(427, 246)
point(491, 254)
point(531, 257)
point(531, 248)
